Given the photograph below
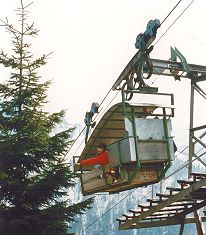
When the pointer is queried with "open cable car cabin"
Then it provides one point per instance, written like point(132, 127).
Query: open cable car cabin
point(140, 145)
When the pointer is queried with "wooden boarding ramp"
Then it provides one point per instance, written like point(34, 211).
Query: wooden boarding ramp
point(170, 208)
point(140, 147)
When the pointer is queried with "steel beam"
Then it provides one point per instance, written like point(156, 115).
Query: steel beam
point(198, 128)
point(191, 133)
point(199, 141)
point(162, 67)
point(182, 225)
point(198, 223)
point(199, 159)
point(201, 78)
point(166, 222)
point(200, 91)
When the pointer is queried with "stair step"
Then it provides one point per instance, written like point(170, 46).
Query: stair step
point(135, 211)
point(155, 200)
point(185, 181)
point(121, 219)
point(174, 189)
point(144, 205)
point(164, 194)
point(198, 175)
point(128, 216)
point(182, 203)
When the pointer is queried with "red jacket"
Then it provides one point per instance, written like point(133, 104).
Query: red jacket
point(101, 159)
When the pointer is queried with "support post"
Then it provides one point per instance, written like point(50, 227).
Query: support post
point(191, 132)
point(182, 226)
point(161, 186)
point(198, 223)
point(135, 139)
point(152, 191)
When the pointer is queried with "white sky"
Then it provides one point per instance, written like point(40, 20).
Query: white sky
point(93, 41)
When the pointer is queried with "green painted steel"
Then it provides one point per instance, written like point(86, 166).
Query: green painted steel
point(136, 139)
point(166, 136)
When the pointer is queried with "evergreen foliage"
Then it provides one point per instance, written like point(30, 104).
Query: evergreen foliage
point(34, 177)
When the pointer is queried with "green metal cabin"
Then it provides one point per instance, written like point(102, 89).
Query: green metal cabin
point(140, 144)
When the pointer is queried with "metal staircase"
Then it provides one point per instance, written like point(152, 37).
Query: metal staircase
point(170, 208)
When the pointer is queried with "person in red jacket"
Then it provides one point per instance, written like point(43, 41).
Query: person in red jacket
point(102, 157)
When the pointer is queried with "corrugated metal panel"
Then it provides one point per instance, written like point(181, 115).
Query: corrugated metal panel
point(151, 128)
point(151, 145)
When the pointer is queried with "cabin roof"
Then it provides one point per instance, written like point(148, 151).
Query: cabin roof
point(111, 127)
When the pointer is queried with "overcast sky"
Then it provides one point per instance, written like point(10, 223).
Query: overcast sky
point(93, 41)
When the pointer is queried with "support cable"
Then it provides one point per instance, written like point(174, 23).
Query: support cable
point(170, 12)
point(174, 22)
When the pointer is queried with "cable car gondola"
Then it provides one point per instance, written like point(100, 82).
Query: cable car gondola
point(140, 146)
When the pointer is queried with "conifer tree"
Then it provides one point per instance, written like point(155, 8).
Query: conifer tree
point(34, 177)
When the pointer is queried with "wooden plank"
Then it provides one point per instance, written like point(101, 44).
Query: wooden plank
point(203, 175)
point(144, 205)
point(155, 200)
point(128, 216)
point(91, 174)
point(84, 168)
point(121, 219)
point(94, 184)
point(125, 187)
point(135, 211)
point(163, 213)
point(185, 183)
point(190, 182)
point(182, 203)
point(165, 210)
point(165, 195)
point(174, 208)
point(109, 133)
point(160, 216)
point(143, 175)
point(174, 189)
point(111, 125)
point(168, 209)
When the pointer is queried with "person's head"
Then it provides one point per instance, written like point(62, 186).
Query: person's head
point(101, 147)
